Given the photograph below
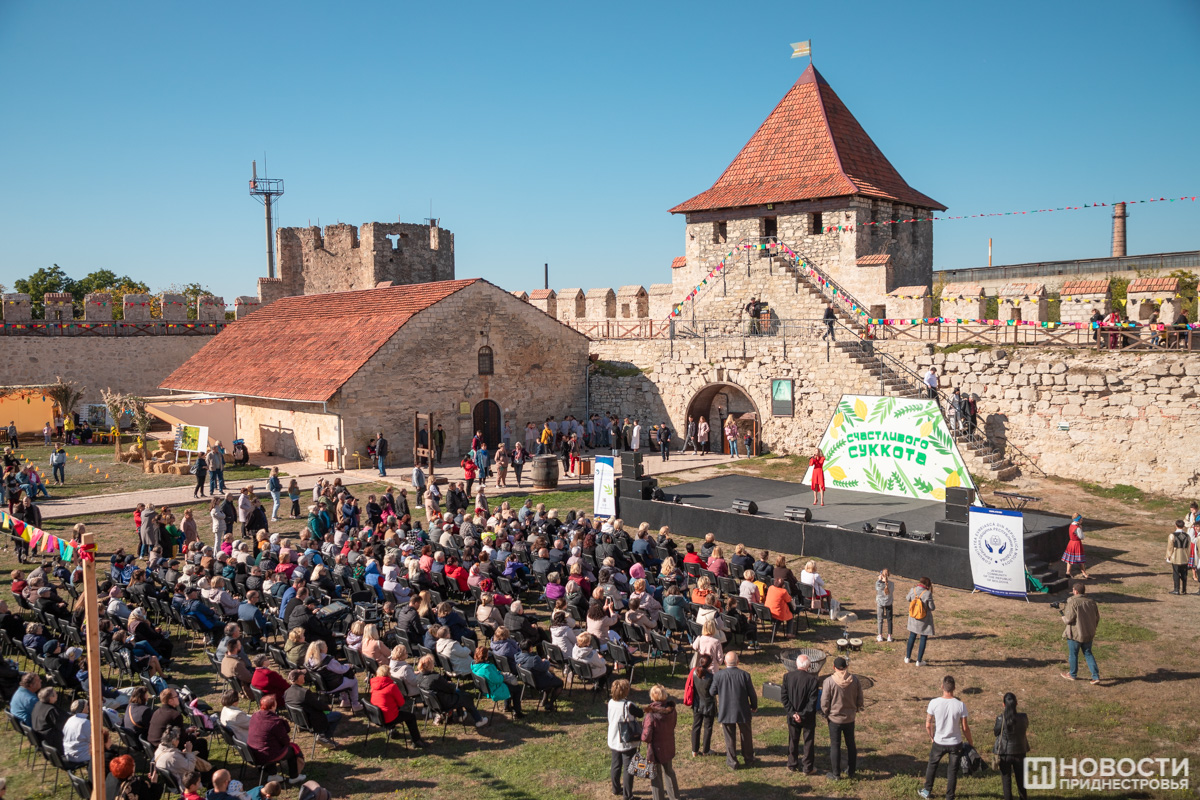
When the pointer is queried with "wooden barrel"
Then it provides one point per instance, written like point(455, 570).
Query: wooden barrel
point(545, 472)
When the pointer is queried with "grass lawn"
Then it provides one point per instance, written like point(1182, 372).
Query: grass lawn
point(83, 480)
point(1147, 658)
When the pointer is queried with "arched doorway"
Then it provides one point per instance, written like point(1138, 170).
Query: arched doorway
point(486, 418)
point(715, 402)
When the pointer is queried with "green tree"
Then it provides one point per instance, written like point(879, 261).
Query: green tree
point(192, 291)
point(105, 280)
point(44, 281)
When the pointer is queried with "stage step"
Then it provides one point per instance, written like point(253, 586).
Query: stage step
point(1060, 585)
point(1045, 577)
point(1035, 564)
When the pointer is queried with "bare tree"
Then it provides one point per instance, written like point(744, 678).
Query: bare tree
point(66, 395)
point(142, 419)
point(116, 404)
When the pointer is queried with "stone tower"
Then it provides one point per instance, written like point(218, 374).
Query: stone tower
point(811, 177)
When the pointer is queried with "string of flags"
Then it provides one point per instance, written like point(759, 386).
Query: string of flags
point(1028, 322)
point(850, 227)
point(21, 326)
point(38, 540)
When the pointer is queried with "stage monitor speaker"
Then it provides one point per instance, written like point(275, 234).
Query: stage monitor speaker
point(959, 496)
point(659, 495)
point(745, 506)
point(891, 527)
point(631, 469)
point(798, 513)
point(637, 490)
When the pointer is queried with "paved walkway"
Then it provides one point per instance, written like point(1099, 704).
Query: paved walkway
point(307, 473)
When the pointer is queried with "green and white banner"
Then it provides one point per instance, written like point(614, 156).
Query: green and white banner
point(891, 445)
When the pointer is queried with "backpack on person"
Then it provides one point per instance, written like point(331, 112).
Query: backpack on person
point(916, 607)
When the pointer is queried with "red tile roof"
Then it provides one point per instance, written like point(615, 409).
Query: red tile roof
point(1085, 287)
point(678, 261)
point(305, 347)
point(810, 147)
point(542, 294)
point(876, 260)
point(1153, 285)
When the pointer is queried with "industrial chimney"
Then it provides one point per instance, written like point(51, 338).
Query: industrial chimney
point(1118, 239)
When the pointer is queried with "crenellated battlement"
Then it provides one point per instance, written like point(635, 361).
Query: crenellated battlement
point(105, 314)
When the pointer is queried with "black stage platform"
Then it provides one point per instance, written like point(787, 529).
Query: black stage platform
point(836, 530)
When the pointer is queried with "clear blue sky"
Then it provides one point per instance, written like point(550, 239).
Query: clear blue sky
point(562, 132)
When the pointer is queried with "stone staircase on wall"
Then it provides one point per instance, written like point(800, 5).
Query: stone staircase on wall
point(982, 457)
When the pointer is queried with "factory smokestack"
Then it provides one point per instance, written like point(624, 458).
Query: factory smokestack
point(1118, 239)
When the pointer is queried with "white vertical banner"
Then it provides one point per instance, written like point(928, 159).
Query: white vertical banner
point(604, 502)
point(997, 547)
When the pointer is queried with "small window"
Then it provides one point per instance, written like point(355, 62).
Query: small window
point(817, 225)
point(782, 404)
point(770, 226)
point(720, 232)
point(486, 365)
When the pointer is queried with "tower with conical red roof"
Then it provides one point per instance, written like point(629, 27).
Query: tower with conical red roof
point(811, 177)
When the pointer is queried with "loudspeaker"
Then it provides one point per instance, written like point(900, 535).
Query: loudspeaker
point(631, 466)
point(745, 506)
point(637, 490)
point(959, 496)
point(658, 495)
point(798, 513)
point(891, 527)
point(953, 534)
point(956, 513)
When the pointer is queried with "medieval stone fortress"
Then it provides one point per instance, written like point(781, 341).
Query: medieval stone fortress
point(809, 215)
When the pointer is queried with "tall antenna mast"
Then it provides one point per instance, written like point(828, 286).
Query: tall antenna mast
point(266, 191)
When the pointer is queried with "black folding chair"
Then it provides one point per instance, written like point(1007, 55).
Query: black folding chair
point(374, 716)
point(434, 706)
point(300, 720)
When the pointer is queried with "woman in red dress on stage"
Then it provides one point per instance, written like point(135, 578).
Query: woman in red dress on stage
point(1074, 552)
point(817, 463)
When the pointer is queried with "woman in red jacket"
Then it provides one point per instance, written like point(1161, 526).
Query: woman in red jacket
point(270, 740)
point(386, 695)
point(658, 732)
point(267, 680)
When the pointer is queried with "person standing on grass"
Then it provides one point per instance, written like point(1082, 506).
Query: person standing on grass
point(1178, 551)
point(58, 466)
point(920, 619)
point(1012, 743)
point(738, 701)
point(1074, 552)
point(841, 700)
point(12, 435)
point(946, 724)
point(658, 732)
point(1082, 617)
point(216, 469)
point(200, 470)
point(624, 737)
point(800, 691)
point(275, 487)
point(884, 590)
point(704, 707)
point(418, 481)
point(46, 434)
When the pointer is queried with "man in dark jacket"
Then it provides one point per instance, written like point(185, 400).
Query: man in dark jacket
point(734, 688)
point(381, 454)
point(409, 620)
point(544, 680)
point(48, 718)
point(316, 710)
point(314, 628)
point(800, 705)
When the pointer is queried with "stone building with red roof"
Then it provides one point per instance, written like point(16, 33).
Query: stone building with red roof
point(331, 370)
point(811, 177)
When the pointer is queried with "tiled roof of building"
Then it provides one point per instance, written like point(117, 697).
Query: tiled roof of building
point(1022, 289)
point(305, 347)
point(1153, 285)
point(909, 291)
point(678, 261)
point(874, 260)
point(1085, 287)
point(809, 147)
point(542, 294)
point(962, 290)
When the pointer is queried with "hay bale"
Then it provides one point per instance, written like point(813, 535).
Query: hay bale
point(177, 469)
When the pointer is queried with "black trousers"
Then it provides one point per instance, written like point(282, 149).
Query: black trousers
point(1010, 767)
point(806, 730)
point(837, 730)
point(731, 731)
point(622, 781)
point(201, 477)
point(702, 724)
point(936, 753)
point(1179, 577)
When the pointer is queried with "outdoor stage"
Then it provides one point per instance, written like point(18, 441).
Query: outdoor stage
point(836, 530)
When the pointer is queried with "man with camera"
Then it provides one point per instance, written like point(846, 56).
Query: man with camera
point(1081, 615)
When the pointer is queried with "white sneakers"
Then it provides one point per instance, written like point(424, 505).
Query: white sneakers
point(907, 660)
point(482, 721)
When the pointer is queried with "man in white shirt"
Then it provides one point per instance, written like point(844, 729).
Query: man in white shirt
point(946, 724)
point(77, 735)
point(931, 382)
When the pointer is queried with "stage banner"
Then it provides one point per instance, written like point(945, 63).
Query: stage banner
point(997, 545)
point(604, 502)
point(891, 445)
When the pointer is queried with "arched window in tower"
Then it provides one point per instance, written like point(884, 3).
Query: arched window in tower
point(486, 365)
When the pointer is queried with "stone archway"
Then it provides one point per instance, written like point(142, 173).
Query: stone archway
point(715, 402)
